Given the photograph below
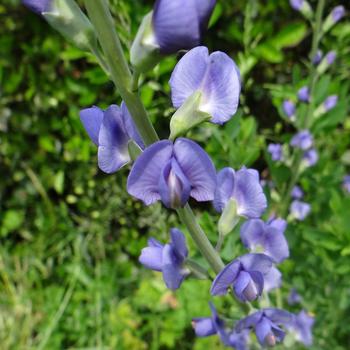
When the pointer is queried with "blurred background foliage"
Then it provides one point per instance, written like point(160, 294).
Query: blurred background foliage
point(70, 236)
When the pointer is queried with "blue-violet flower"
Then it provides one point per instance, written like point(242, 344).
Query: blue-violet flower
point(300, 210)
point(303, 140)
point(276, 151)
point(302, 327)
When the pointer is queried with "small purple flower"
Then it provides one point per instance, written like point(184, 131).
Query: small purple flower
point(304, 94)
point(346, 183)
point(338, 13)
point(215, 76)
point(294, 297)
point(330, 57)
point(317, 58)
point(244, 187)
point(297, 192)
point(303, 140)
point(110, 131)
point(276, 151)
point(300, 210)
point(180, 24)
point(296, 4)
point(302, 327)
point(207, 326)
point(38, 6)
point(246, 276)
point(310, 157)
point(330, 102)
point(266, 323)
point(258, 236)
point(172, 173)
point(168, 259)
point(289, 109)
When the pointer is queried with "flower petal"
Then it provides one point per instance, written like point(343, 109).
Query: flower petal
point(38, 6)
point(178, 242)
point(198, 168)
point(203, 326)
point(130, 126)
point(250, 197)
point(279, 316)
point(152, 242)
point(205, 9)
point(176, 25)
point(252, 234)
point(263, 329)
point(224, 189)
point(188, 75)
point(112, 141)
point(172, 271)
point(221, 88)
point(249, 321)
point(91, 119)
point(151, 257)
point(278, 223)
point(256, 262)
point(273, 279)
point(144, 176)
point(240, 284)
point(225, 278)
point(276, 245)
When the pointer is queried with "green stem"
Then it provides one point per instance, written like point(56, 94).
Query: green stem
point(297, 157)
point(102, 20)
point(197, 270)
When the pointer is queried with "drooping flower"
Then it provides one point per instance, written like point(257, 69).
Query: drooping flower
point(207, 326)
point(338, 13)
point(304, 94)
point(172, 173)
point(346, 183)
point(244, 188)
point(276, 151)
point(245, 275)
point(294, 297)
point(110, 131)
point(168, 259)
point(302, 327)
point(300, 210)
point(38, 6)
point(267, 325)
point(289, 109)
point(310, 157)
point(214, 78)
point(330, 102)
point(179, 25)
point(258, 236)
point(303, 140)
point(297, 192)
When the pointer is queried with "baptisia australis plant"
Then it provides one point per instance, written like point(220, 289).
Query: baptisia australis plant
point(204, 87)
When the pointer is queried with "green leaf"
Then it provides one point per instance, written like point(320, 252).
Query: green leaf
point(290, 35)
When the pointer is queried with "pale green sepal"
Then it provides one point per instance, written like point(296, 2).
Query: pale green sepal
point(134, 150)
point(306, 10)
point(187, 116)
point(145, 52)
point(68, 19)
point(229, 218)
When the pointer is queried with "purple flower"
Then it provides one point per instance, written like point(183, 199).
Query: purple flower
point(110, 131)
point(310, 157)
point(258, 236)
point(294, 297)
point(172, 173)
point(215, 77)
point(276, 151)
point(303, 140)
point(330, 57)
point(296, 4)
point(330, 102)
point(244, 187)
point(207, 326)
point(266, 323)
point(304, 94)
point(300, 210)
point(338, 13)
point(168, 259)
point(180, 24)
point(297, 192)
point(289, 109)
point(38, 6)
point(346, 183)
point(246, 276)
point(317, 58)
point(302, 327)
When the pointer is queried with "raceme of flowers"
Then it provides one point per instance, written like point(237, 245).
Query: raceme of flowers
point(204, 87)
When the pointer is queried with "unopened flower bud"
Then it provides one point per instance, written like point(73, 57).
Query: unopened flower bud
point(329, 103)
point(303, 7)
point(270, 340)
point(317, 58)
point(326, 62)
point(335, 16)
point(289, 109)
point(304, 94)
